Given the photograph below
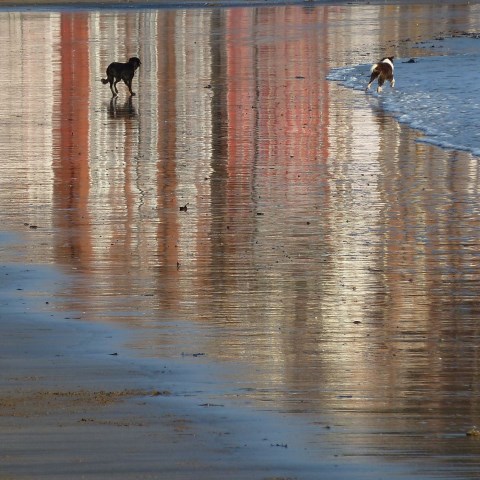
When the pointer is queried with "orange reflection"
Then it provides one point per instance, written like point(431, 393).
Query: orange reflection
point(71, 165)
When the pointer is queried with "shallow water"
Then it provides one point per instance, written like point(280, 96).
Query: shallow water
point(437, 95)
point(322, 249)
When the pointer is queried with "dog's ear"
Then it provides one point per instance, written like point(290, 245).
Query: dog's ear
point(391, 58)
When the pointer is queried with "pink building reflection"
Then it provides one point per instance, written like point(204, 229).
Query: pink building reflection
point(72, 152)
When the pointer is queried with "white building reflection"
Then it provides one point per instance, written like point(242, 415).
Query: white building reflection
point(30, 74)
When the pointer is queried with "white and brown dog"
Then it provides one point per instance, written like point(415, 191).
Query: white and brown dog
point(383, 70)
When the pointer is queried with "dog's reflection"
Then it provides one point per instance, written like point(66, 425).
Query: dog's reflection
point(127, 110)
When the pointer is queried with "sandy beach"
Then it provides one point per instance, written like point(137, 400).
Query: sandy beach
point(245, 271)
point(76, 403)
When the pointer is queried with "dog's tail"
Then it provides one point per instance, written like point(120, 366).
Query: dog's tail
point(104, 81)
point(373, 67)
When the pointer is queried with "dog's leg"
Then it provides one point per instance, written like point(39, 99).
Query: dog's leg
point(381, 81)
point(373, 76)
point(110, 79)
point(392, 82)
point(128, 83)
point(115, 86)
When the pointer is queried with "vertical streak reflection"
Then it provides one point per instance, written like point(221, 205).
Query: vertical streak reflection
point(318, 237)
point(71, 164)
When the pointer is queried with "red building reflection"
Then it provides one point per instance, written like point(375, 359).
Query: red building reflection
point(277, 109)
point(71, 163)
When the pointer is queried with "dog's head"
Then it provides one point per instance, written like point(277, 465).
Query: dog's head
point(388, 58)
point(135, 61)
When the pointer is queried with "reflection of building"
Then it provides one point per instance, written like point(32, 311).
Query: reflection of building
point(296, 224)
point(71, 162)
point(30, 80)
point(281, 105)
point(277, 144)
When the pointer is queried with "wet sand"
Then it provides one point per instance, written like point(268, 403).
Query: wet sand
point(311, 313)
point(76, 403)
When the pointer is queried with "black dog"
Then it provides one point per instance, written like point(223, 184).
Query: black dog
point(117, 71)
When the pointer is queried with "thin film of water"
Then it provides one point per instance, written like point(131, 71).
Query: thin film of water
point(242, 207)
